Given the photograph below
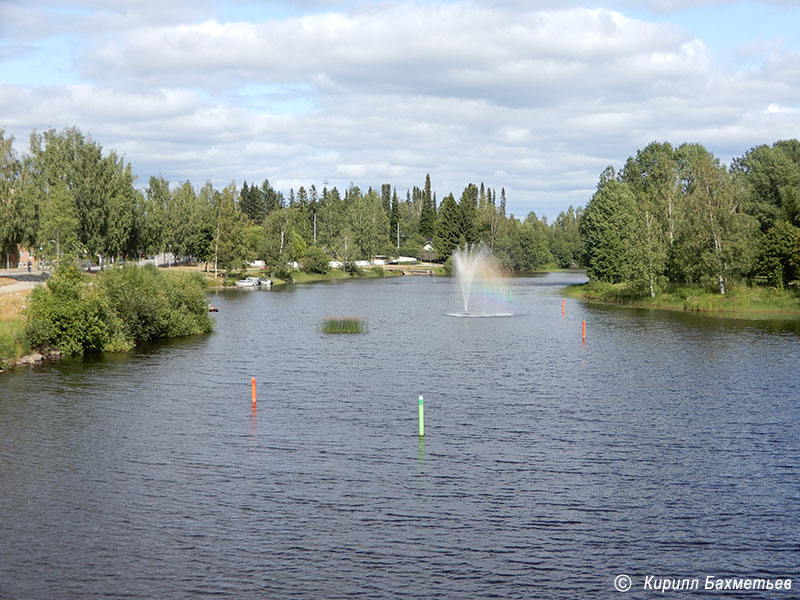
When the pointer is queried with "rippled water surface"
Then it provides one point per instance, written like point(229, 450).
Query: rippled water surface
point(666, 445)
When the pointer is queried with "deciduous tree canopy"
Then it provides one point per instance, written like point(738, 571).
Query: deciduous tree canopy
point(669, 215)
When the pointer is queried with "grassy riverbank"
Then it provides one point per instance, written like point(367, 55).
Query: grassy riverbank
point(113, 310)
point(13, 342)
point(15, 334)
point(331, 275)
point(740, 301)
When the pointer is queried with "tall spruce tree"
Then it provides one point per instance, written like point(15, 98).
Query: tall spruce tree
point(394, 220)
point(427, 219)
point(607, 230)
point(386, 199)
point(252, 203)
point(449, 233)
point(468, 208)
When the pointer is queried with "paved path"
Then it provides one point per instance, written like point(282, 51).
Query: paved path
point(25, 280)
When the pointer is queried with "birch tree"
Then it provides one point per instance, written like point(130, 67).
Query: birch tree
point(653, 178)
point(717, 240)
point(15, 216)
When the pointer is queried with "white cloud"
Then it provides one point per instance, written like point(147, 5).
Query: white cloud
point(444, 50)
point(536, 101)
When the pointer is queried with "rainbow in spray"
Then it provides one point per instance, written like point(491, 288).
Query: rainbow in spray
point(483, 291)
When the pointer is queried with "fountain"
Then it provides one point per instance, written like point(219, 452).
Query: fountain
point(482, 292)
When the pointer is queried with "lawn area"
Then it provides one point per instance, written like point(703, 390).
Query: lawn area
point(12, 340)
point(740, 301)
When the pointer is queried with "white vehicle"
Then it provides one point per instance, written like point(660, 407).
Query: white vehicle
point(254, 282)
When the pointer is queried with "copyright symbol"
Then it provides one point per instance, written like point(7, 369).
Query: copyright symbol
point(622, 583)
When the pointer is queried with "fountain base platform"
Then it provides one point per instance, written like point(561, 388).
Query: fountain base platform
point(468, 315)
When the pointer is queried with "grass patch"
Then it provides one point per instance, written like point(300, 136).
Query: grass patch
point(739, 300)
point(344, 325)
point(332, 275)
point(12, 305)
point(742, 299)
point(13, 342)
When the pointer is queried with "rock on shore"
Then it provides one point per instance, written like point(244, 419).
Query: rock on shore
point(35, 358)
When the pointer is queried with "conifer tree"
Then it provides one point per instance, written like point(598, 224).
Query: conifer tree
point(394, 220)
point(449, 234)
point(607, 231)
point(468, 206)
point(427, 218)
point(386, 199)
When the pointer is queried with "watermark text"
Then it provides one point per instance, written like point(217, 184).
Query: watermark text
point(655, 583)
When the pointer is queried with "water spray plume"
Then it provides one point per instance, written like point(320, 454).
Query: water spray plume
point(479, 281)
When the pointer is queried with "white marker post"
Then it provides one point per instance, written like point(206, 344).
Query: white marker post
point(421, 418)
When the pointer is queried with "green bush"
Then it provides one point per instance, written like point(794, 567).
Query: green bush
point(152, 304)
point(115, 310)
point(283, 271)
point(69, 313)
point(352, 269)
point(137, 296)
point(188, 305)
point(410, 249)
point(447, 267)
point(315, 260)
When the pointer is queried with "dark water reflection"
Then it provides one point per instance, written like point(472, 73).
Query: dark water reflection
point(666, 445)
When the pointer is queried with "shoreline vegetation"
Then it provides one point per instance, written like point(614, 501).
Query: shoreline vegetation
point(673, 229)
point(295, 277)
point(740, 301)
point(13, 344)
point(344, 325)
point(19, 339)
point(114, 310)
point(74, 319)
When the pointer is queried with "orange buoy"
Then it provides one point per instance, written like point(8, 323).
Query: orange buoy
point(583, 334)
point(253, 389)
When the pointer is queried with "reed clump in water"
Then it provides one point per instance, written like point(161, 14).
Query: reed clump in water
point(344, 325)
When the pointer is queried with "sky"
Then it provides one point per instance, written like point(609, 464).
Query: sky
point(534, 96)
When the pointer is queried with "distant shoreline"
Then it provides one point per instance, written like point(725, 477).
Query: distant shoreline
point(740, 303)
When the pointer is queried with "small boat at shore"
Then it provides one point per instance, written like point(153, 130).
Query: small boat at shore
point(254, 282)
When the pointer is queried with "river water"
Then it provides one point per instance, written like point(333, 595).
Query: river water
point(666, 445)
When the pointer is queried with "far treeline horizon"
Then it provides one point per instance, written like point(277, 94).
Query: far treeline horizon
point(670, 215)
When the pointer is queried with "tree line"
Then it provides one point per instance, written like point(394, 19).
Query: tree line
point(677, 215)
point(669, 215)
point(67, 198)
